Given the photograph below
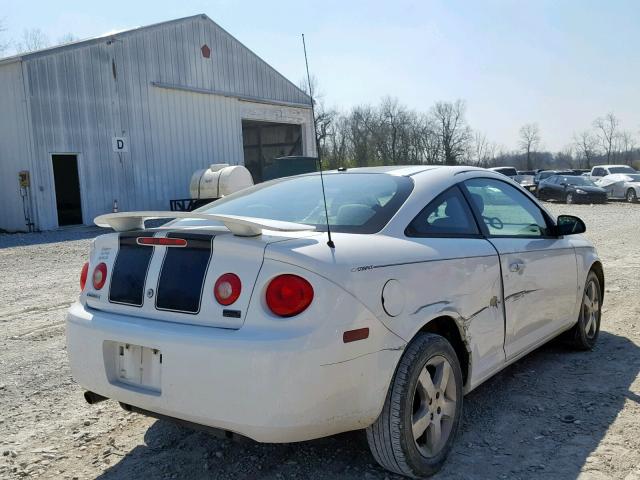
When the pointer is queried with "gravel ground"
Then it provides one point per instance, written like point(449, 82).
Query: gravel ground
point(555, 414)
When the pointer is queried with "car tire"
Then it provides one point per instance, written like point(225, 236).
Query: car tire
point(420, 399)
point(568, 198)
point(584, 334)
point(631, 196)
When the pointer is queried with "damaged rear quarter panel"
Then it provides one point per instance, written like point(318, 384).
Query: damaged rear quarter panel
point(458, 278)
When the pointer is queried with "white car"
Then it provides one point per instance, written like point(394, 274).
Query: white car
point(622, 186)
point(241, 317)
point(600, 171)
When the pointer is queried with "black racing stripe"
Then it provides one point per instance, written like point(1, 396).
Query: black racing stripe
point(183, 273)
point(130, 270)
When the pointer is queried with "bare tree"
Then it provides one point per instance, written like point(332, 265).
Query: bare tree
point(67, 38)
point(626, 145)
point(585, 144)
point(323, 117)
point(32, 40)
point(607, 130)
point(4, 45)
point(529, 142)
point(481, 150)
point(452, 130)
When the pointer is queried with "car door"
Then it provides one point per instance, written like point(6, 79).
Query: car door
point(468, 280)
point(539, 271)
point(552, 188)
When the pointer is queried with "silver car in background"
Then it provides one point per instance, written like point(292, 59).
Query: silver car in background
point(621, 186)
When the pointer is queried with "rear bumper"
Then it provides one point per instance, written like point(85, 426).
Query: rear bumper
point(272, 386)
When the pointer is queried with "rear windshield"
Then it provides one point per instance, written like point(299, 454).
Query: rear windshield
point(584, 181)
point(509, 172)
point(621, 170)
point(356, 202)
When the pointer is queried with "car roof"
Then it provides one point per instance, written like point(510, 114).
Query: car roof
point(410, 170)
point(399, 170)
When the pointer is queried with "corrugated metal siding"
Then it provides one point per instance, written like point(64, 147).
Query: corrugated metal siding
point(14, 146)
point(77, 105)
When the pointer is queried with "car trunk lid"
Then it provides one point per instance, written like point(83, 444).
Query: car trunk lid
point(147, 278)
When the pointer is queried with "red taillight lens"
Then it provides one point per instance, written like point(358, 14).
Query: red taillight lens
point(83, 275)
point(289, 295)
point(99, 276)
point(227, 289)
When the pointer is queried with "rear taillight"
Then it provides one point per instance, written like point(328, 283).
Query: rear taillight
point(99, 276)
point(83, 275)
point(289, 295)
point(227, 289)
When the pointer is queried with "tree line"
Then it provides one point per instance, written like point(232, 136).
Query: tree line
point(29, 41)
point(391, 133)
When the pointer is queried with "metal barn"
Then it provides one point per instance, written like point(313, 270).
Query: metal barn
point(129, 116)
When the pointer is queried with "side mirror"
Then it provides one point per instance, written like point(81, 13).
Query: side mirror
point(570, 225)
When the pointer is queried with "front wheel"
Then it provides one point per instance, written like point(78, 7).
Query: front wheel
point(569, 198)
point(584, 334)
point(631, 196)
point(421, 415)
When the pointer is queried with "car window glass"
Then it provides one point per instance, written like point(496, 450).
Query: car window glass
point(506, 211)
point(448, 214)
point(356, 202)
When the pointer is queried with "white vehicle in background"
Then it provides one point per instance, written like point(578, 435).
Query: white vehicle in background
point(621, 186)
point(600, 171)
point(526, 181)
point(240, 316)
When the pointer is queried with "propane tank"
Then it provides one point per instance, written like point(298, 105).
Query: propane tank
point(219, 180)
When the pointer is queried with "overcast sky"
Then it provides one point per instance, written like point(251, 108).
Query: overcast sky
point(560, 63)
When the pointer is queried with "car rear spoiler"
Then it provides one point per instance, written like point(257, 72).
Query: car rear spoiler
point(238, 225)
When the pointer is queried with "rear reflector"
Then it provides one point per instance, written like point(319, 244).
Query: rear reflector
point(166, 242)
point(355, 335)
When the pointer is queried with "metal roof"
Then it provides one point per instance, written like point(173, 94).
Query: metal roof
point(132, 31)
point(92, 40)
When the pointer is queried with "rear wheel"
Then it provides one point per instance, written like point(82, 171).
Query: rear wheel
point(569, 198)
point(585, 333)
point(421, 415)
point(631, 196)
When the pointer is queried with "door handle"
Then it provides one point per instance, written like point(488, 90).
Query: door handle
point(516, 267)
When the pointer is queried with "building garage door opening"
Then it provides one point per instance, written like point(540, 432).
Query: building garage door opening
point(67, 183)
point(265, 141)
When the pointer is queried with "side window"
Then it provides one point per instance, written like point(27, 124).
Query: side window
point(598, 172)
point(447, 215)
point(506, 211)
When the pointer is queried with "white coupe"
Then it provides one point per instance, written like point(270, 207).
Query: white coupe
point(240, 316)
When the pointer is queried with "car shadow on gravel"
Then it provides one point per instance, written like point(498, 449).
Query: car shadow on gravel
point(540, 418)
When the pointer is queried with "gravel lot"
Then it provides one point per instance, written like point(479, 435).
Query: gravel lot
point(555, 414)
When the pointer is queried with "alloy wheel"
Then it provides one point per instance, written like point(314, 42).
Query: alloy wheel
point(569, 198)
point(590, 309)
point(631, 196)
point(434, 406)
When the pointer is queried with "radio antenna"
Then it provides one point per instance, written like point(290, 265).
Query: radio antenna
point(315, 134)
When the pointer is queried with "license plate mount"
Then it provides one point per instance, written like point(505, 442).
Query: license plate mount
point(139, 366)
